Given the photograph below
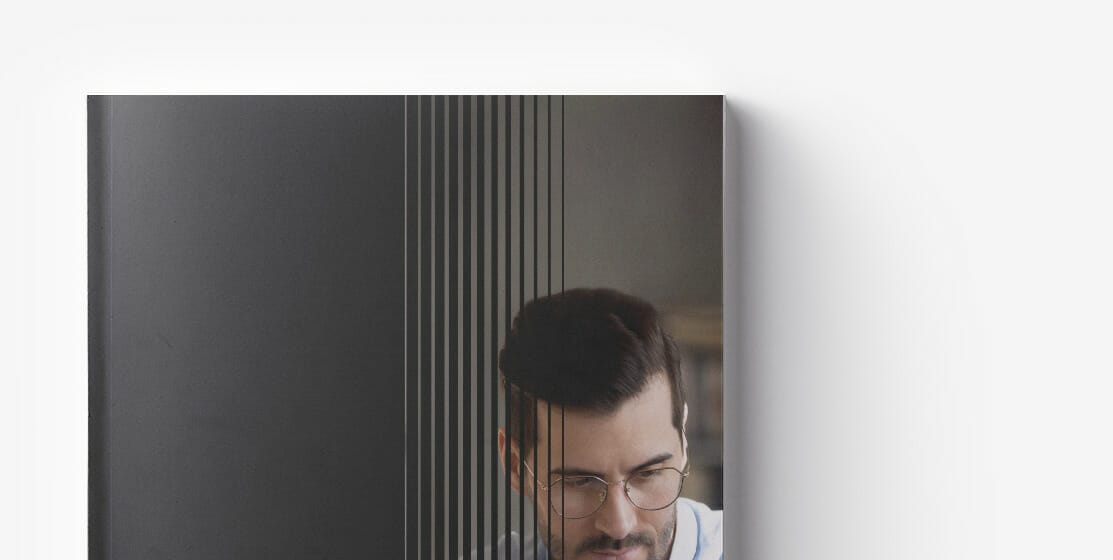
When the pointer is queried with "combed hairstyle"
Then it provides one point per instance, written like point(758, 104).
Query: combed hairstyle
point(586, 349)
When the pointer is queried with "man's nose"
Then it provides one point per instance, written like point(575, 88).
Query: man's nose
point(618, 517)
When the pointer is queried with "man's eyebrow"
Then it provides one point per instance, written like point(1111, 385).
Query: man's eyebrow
point(658, 459)
point(583, 472)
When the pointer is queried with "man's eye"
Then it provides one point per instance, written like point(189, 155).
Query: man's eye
point(649, 474)
point(577, 482)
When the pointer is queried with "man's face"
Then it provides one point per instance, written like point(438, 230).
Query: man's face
point(639, 435)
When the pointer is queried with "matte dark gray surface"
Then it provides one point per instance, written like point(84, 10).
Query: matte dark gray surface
point(246, 327)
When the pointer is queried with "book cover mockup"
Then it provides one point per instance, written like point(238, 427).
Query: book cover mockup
point(297, 306)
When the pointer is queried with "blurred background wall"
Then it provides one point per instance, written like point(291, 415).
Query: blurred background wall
point(643, 214)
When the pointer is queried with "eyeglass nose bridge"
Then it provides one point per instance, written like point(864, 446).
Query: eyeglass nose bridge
point(625, 490)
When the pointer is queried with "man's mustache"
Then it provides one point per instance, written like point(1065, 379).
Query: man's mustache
point(603, 542)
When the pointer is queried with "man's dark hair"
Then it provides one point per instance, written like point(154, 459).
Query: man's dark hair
point(585, 349)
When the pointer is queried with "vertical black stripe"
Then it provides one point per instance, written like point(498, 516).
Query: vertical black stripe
point(426, 371)
point(480, 322)
point(432, 353)
point(521, 301)
point(439, 324)
point(535, 98)
point(492, 370)
point(454, 329)
point(549, 193)
point(548, 212)
point(412, 440)
point(405, 344)
point(549, 273)
point(562, 193)
point(508, 283)
point(468, 185)
point(562, 289)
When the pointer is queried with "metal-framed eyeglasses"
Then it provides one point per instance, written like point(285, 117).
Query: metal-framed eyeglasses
point(575, 497)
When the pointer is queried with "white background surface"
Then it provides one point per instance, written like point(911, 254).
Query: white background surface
point(918, 239)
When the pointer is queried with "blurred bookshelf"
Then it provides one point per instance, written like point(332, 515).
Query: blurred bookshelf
point(698, 332)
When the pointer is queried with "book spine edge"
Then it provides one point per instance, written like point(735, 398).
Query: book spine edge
point(99, 185)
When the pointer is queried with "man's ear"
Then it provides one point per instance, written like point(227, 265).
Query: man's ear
point(515, 474)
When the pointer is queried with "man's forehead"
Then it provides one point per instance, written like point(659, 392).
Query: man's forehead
point(639, 428)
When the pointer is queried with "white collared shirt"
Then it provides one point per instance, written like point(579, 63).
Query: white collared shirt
point(699, 532)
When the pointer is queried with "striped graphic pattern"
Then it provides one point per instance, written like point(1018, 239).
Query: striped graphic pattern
point(484, 236)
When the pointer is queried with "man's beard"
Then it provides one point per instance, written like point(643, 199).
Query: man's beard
point(658, 549)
